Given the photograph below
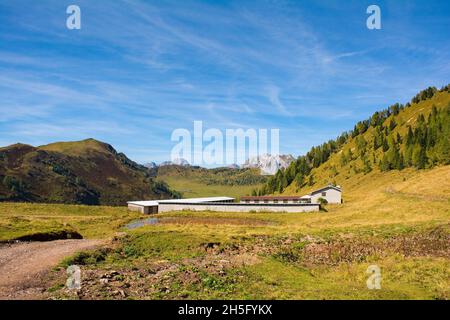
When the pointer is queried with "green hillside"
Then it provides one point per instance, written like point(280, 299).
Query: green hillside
point(192, 181)
point(415, 135)
point(81, 172)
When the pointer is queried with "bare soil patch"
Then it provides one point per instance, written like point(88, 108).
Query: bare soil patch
point(24, 266)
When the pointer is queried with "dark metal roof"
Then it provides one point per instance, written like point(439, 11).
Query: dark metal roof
point(281, 198)
point(326, 188)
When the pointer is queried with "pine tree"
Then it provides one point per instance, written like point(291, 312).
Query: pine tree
point(409, 137)
point(367, 167)
point(384, 163)
point(399, 138)
point(311, 180)
point(385, 145)
point(408, 162)
point(343, 160)
point(401, 162)
point(299, 180)
point(375, 120)
point(419, 157)
point(392, 125)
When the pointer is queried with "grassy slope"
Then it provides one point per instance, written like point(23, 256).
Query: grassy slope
point(380, 209)
point(76, 148)
point(192, 188)
point(396, 199)
point(346, 176)
point(20, 219)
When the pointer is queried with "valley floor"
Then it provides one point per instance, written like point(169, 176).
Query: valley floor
point(398, 221)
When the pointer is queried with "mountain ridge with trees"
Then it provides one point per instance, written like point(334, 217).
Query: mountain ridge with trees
point(80, 172)
point(414, 135)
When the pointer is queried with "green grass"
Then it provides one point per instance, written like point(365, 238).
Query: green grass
point(402, 278)
point(166, 245)
point(193, 189)
point(76, 148)
point(20, 219)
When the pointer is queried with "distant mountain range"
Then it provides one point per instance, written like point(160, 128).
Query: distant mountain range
point(177, 162)
point(84, 172)
point(268, 164)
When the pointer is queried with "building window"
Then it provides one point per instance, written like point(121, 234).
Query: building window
point(285, 201)
point(256, 201)
point(275, 201)
point(247, 201)
point(324, 194)
point(266, 201)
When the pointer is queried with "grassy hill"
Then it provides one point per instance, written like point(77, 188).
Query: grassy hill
point(415, 135)
point(83, 172)
point(192, 181)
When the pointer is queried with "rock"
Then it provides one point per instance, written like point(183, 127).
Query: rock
point(162, 261)
point(224, 261)
point(119, 235)
point(210, 245)
point(110, 275)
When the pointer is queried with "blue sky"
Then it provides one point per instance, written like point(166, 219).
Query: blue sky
point(137, 70)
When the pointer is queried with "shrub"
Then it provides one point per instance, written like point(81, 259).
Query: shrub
point(86, 257)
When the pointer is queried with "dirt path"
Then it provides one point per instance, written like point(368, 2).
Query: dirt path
point(23, 266)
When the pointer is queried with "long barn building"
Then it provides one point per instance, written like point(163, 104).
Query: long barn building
point(307, 203)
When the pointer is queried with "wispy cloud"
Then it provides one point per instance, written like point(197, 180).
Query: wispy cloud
point(273, 93)
point(344, 55)
point(138, 70)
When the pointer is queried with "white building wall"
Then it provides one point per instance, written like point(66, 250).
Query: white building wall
point(332, 196)
point(143, 209)
point(236, 208)
point(133, 207)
